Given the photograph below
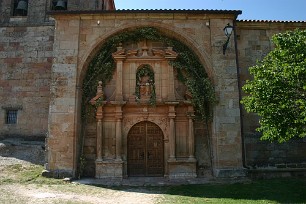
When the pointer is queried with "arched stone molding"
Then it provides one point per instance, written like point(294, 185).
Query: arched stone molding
point(161, 122)
point(165, 29)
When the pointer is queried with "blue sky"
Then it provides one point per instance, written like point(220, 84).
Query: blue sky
point(287, 10)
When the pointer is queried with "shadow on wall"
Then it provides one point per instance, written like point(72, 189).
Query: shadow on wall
point(266, 154)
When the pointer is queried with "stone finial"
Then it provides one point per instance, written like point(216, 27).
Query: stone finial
point(100, 88)
point(119, 47)
point(99, 93)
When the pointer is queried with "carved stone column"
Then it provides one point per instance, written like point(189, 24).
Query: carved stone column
point(118, 133)
point(171, 55)
point(119, 56)
point(99, 117)
point(172, 139)
point(190, 115)
point(171, 96)
point(119, 96)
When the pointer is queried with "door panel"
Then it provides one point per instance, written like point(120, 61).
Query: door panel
point(145, 150)
point(136, 150)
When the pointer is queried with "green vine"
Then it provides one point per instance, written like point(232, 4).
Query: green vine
point(190, 71)
point(82, 164)
point(145, 70)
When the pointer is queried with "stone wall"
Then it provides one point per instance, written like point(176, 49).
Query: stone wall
point(30, 65)
point(36, 14)
point(78, 37)
point(254, 40)
point(26, 55)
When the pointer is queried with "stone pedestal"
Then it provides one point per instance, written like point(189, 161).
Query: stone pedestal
point(109, 169)
point(182, 169)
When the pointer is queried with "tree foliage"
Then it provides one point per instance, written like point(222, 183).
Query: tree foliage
point(277, 92)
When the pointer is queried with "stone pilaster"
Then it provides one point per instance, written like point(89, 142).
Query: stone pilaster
point(99, 117)
point(171, 117)
point(118, 133)
point(119, 56)
point(62, 128)
point(226, 131)
point(119, 96)
point(190, 115)
point(171, 96)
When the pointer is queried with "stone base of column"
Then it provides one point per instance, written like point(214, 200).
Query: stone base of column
point(182, 169)
point(230, 173)
point(109, 169)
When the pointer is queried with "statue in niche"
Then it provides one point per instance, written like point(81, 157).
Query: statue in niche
point(145, 86)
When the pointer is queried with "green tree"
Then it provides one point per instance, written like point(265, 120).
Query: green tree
point(277, 92)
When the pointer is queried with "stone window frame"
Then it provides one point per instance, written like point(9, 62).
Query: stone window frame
point(11, 114)
point(14, 5)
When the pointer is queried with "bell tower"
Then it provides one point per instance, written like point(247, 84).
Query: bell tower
point(108, 5)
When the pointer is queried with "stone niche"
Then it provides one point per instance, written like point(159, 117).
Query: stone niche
point(144, 124)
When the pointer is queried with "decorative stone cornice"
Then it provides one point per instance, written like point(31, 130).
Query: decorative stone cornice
point(119, 54)
point(144, 53)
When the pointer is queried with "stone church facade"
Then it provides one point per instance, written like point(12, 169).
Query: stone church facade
point(45, 51)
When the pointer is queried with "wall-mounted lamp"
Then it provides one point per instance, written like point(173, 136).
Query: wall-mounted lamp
point(228, 32)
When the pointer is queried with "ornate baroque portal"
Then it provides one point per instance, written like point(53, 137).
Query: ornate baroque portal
point(144, 124)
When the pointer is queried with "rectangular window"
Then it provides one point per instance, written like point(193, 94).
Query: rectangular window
point(11, 116)
point(20, 8)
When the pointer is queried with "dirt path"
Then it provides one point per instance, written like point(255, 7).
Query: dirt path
point(33, 194)
point(18, 161)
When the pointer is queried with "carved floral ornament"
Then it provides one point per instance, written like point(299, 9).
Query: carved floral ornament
point(144, 53)
point(162, 122)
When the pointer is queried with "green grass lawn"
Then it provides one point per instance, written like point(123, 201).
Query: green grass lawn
point(261, 191)
point(290, 190)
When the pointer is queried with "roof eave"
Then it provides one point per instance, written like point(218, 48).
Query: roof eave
point(71, 12)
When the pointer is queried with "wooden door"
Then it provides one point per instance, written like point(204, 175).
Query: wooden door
point(145, 150)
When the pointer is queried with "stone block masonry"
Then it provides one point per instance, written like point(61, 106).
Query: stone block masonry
point(79, 36)
point(25, 70)
point(254, 41)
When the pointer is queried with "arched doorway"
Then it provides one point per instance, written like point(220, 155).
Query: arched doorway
point(145, 151)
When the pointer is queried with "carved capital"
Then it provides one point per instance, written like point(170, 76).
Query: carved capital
point(119, 55)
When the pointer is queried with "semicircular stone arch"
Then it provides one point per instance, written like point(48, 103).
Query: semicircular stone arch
point(129, 122)
point(166, 30)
